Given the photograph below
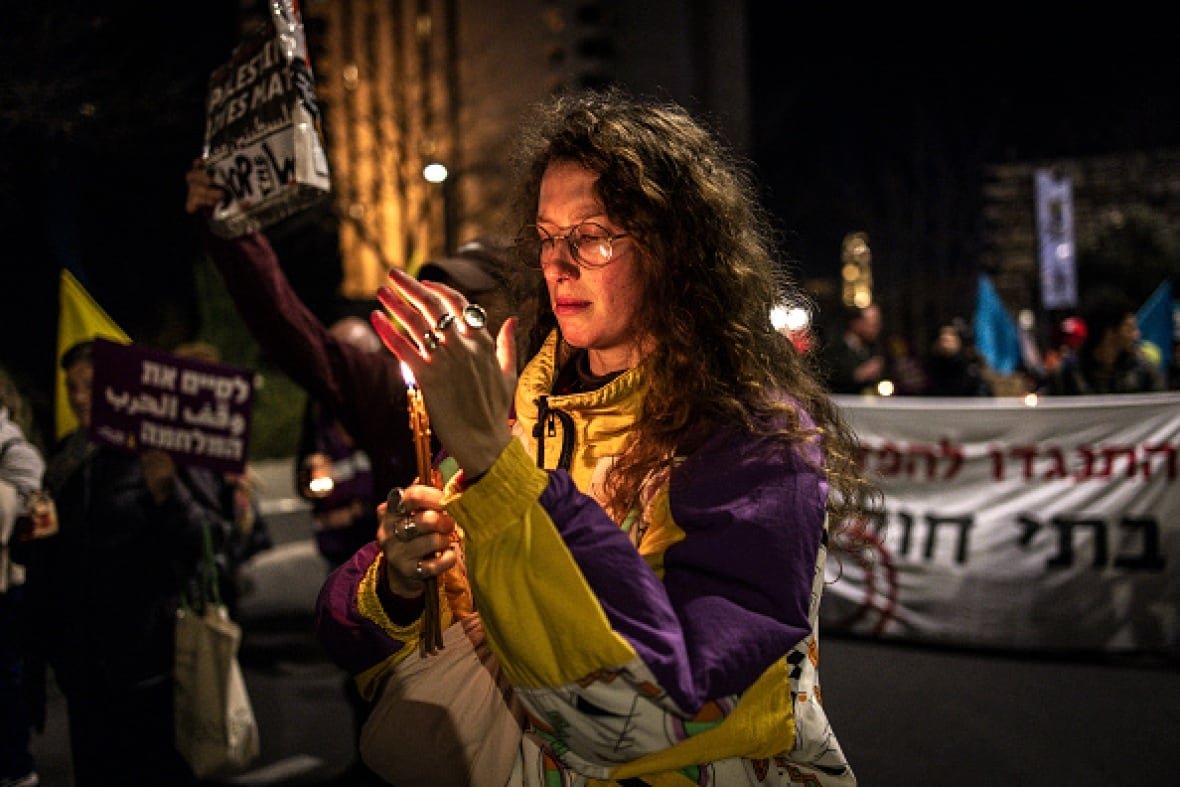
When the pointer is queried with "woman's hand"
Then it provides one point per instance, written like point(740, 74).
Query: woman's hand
point(202, 195)
point(416, 536)
point(467, 377)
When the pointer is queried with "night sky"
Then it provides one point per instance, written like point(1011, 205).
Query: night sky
point(856, 129)
point(890, 131)
point(98, 123)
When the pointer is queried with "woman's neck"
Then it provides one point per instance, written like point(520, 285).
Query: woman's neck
point(617, 359)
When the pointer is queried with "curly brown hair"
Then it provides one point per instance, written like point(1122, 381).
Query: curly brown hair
point(709, 282)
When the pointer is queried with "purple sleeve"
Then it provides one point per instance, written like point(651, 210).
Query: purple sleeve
point(352, 641)
point(631, 595)
point(753, 513)
point(281, 323)
point(736, 589)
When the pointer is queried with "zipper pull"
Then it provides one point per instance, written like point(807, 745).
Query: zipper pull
point(543, 415)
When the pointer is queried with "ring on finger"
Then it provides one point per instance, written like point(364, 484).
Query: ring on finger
point(394, 500)
point(431, 341)
point(419, 573)
point(409, 529)
point(475, 316)
point(444, 322)
point(405, 529)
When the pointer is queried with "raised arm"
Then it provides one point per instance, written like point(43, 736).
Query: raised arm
point(364, 389)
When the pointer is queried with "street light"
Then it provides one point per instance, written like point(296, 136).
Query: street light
point(435, 172)
point(856, 270)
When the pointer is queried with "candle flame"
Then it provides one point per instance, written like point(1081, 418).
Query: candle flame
point(408, 375)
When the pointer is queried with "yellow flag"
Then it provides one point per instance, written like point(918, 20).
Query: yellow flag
point(79, 318)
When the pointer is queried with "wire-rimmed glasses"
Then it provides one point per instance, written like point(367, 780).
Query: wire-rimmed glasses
point(591, 245)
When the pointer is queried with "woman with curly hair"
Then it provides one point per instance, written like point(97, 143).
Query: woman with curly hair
point(632, 535)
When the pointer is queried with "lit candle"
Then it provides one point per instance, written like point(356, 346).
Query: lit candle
point(419, 425)
point(430, 637)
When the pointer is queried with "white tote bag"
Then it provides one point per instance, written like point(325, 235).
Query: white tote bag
point(216, 731)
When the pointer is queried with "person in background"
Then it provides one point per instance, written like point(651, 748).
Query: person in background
point(907, 372)
point(1032, 359)
point(103, 592)
point(333, 474)
point(854, 361)
point(1067, 336)
point(233, 498)
point(1109, 360)
point(21, 469)
point(646, 537)
point(953, 366)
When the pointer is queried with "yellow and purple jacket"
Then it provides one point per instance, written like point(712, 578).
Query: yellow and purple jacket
point(678, 647)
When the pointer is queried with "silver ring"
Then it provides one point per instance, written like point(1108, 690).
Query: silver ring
point(419, 573)
point(430, 341)
point(444, 322)
point(408, 529)
point(394, 500)
point(475, 316)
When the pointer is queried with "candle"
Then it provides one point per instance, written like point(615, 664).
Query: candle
point(419, 426)
point(430, 637)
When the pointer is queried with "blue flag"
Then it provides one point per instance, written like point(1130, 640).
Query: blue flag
point(996, 336)
point(1155, 324)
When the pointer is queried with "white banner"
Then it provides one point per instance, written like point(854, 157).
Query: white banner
point(1046, 527)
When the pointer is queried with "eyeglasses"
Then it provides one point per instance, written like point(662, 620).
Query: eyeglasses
point(590, 244)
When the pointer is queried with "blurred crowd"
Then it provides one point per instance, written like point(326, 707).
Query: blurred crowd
point(1097, 350)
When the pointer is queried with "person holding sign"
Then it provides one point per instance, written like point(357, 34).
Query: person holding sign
point(102, 595)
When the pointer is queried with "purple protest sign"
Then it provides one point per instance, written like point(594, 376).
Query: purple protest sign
point(196, 411)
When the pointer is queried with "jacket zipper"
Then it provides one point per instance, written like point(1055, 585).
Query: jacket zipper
point(546, 426)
